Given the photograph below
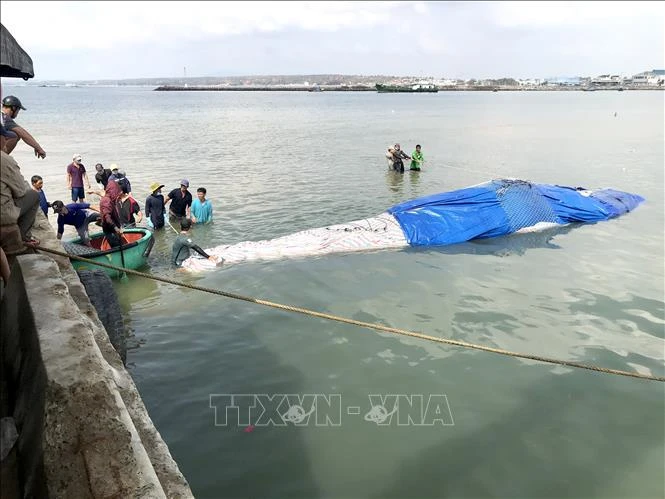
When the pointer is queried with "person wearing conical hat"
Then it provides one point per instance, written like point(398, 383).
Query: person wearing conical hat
point(154, 206)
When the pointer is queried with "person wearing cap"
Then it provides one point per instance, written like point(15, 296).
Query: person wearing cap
point(79, 215)
point(181, 201)
point(114, 172)
point(76, 174)
point(102, 175)
point(154, 206)
point(11, 106)
point(183, 243)
point(119, 176)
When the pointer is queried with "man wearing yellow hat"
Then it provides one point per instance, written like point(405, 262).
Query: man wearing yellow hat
point(154, 206)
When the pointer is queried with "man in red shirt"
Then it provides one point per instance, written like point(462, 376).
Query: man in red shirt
point(75, 176)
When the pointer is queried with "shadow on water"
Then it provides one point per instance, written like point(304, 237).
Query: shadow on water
point(513, 244)
point(193, 356)
point(622, 312)
point(548, 445)
point(259, 461)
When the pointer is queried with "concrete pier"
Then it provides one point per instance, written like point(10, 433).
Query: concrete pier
point(82, 429)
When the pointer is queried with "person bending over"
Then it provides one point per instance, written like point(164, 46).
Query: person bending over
point(78, 215)
point(110, 215)
point(183, 243)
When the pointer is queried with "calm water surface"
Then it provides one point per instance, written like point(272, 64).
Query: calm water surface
point(275, 163)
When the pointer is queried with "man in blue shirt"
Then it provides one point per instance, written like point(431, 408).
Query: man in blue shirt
point(38, 185)
point(201, 208)
point(77, 214)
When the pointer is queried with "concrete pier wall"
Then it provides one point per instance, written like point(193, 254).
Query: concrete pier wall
point(83, 430)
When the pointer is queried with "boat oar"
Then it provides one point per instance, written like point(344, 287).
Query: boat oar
point(169, 222)
point(123, 277)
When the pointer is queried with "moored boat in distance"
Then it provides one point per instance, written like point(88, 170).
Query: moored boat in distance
point(417, 88)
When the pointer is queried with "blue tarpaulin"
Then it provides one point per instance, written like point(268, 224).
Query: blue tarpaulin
point(502, 207)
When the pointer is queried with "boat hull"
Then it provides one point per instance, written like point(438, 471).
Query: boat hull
point(133, 255)
point(389, 89)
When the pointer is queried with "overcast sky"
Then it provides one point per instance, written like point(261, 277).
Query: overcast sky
point(116, 40)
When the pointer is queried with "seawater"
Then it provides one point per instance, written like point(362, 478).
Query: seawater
point(279, 162)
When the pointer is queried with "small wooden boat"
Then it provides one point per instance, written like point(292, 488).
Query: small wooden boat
point(132, 255)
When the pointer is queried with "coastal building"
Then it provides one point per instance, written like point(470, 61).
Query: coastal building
point(607, 80)
point(564, 81)
point(655, 77)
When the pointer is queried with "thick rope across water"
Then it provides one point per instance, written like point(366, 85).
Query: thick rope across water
point(369, 325)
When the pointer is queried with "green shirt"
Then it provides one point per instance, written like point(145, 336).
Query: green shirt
point(417, 159)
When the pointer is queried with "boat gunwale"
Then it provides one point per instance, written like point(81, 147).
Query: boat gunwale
point(147, 234)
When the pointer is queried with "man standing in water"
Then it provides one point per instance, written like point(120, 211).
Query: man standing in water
point(75, 176)
point(181, 201)
point(417, 159)
point(398, 156)
point(154, 206)
point(201, 207)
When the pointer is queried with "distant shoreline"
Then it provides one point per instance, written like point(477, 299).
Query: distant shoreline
point(360, 88)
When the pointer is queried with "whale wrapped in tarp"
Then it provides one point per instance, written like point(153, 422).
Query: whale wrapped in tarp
point(491, 209)
point(502, 207)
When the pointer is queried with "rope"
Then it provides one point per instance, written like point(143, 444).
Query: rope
point(369, 325)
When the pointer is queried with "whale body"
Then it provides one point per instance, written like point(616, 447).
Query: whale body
point(495, 208)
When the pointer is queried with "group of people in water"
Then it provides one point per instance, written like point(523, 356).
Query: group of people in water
point(116, 210)
point(396, 157)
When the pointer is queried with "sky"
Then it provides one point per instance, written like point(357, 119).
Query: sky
point(121, 40)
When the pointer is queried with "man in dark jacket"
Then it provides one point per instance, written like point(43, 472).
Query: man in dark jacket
point(108, 209)
point(154, 206)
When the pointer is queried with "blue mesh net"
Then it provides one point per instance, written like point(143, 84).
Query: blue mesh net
point(524, 205)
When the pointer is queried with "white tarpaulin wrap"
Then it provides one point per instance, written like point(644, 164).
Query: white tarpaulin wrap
point(380, 232)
